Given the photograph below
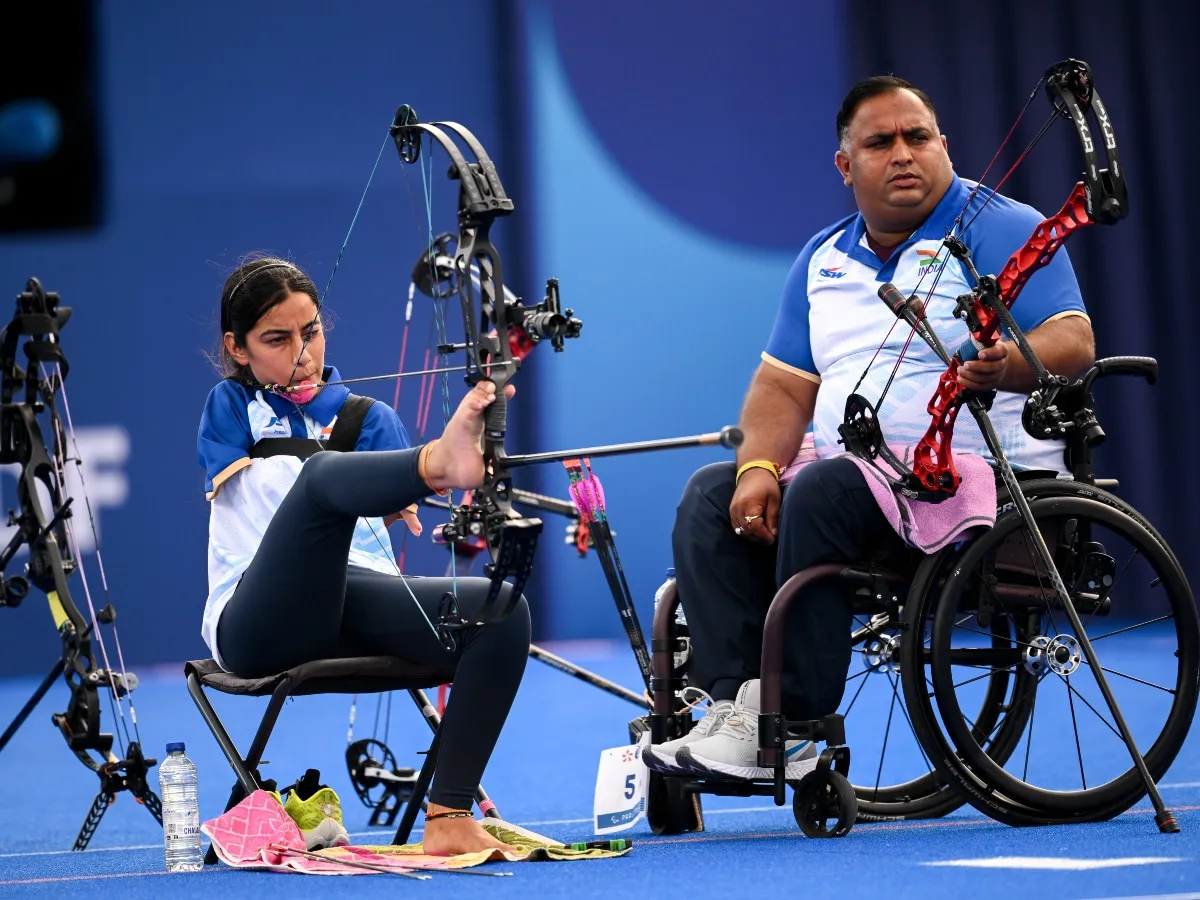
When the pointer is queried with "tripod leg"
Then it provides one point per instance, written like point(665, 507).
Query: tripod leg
point(33, 701)
point(150, 800)
point(99, 806)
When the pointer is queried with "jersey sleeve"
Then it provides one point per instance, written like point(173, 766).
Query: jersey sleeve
point(1050, 292)
point(789, 346)
point(223, 439)
point(382, 430)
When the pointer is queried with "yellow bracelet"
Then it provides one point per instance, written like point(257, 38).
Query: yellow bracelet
point(771, 467)
point(422, 463)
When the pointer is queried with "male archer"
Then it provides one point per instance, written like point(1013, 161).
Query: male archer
point(739, 534)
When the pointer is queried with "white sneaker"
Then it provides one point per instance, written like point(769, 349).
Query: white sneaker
point(731, 751)
point(662, 757)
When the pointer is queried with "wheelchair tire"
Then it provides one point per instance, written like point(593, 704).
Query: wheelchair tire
point(670, 809)
point(979, 775)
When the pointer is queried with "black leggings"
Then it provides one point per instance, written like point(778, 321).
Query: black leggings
point(299, 601)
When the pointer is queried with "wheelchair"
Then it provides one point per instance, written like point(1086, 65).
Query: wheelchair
point(979, 652)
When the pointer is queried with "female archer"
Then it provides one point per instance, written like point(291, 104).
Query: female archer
point(300, 566)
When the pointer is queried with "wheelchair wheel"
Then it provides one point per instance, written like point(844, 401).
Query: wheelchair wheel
point(930, 794)
point(1138, 612)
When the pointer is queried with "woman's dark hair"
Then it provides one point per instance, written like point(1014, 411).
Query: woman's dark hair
point(873, 87)
point(249, 292)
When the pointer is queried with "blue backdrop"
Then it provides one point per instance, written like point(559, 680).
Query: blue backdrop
point(679, 162)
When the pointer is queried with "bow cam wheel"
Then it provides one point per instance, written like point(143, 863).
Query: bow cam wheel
point(373, 769)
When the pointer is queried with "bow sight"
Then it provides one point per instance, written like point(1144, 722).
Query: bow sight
point(435, 276)
point(53, 558)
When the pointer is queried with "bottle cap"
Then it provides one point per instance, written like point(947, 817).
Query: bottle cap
point(177, 745)
point(671, 573)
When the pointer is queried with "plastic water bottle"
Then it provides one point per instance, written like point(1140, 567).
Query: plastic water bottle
point(179, 787)
point(681, 656)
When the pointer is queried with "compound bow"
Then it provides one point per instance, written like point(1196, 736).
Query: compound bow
point(54, 557)
point(498, 333)
point(1100, 198)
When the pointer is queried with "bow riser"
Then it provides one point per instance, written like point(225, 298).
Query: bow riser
point(1099, 199)
point(933, 460)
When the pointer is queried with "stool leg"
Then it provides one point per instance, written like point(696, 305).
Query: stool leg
point(420, 789)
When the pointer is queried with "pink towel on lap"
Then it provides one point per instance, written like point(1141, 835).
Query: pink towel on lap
point(923, 525)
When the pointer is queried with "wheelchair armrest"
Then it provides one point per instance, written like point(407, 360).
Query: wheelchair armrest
point(1145, 366)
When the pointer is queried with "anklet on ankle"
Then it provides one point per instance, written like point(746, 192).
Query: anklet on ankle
point(450, 814)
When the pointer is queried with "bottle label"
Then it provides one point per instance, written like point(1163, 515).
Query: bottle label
point(180, 825)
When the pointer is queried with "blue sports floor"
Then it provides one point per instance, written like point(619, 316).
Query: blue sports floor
point(542, 776)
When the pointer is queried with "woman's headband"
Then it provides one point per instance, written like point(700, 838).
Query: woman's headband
point(248, 276)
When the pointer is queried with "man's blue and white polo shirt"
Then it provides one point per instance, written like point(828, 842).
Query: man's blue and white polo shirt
point(831, 322)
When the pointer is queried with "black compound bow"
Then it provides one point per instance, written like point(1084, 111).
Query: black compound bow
point(499, 331)
point(44, 528)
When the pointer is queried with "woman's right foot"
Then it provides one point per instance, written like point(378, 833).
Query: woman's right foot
point(452, 836)
point(456, 460)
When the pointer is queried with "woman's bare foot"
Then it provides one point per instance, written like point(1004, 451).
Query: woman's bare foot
point(456, 460)
point(451, 836)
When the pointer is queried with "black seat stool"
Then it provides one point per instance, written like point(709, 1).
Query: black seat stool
point(362, 675)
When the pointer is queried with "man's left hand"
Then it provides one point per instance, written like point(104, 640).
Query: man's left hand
point(987, 371)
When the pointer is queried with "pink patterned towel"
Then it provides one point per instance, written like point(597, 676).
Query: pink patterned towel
point(258, 834)
point(926, 526)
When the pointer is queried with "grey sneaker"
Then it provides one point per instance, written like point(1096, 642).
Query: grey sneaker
point(731, 751)
point(662, 757)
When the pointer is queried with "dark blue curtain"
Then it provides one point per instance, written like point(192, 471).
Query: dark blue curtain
point(979, 63)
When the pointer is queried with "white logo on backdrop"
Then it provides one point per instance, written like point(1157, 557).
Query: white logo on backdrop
point(99, 477)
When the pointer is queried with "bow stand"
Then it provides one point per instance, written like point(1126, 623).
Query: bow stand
point(44, 528)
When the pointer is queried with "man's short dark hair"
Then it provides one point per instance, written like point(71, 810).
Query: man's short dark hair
point(873, 87)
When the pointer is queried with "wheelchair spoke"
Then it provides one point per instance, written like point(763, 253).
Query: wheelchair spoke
point(985, 634)
point(1075, 728)
point(887, 730)
point(1132, 627)
point(1071, 688)
point(854, 698)
point(1132, 678)
point(904, 711)
point(1029, 735)
point(988, 674)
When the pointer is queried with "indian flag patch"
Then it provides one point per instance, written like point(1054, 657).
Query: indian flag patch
point(926, 258)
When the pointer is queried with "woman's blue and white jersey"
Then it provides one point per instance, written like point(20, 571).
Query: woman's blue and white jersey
point(244, 493)
point(831, 322)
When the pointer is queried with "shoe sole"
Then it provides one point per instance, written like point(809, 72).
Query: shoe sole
point(664, 764)
point(794, 771)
